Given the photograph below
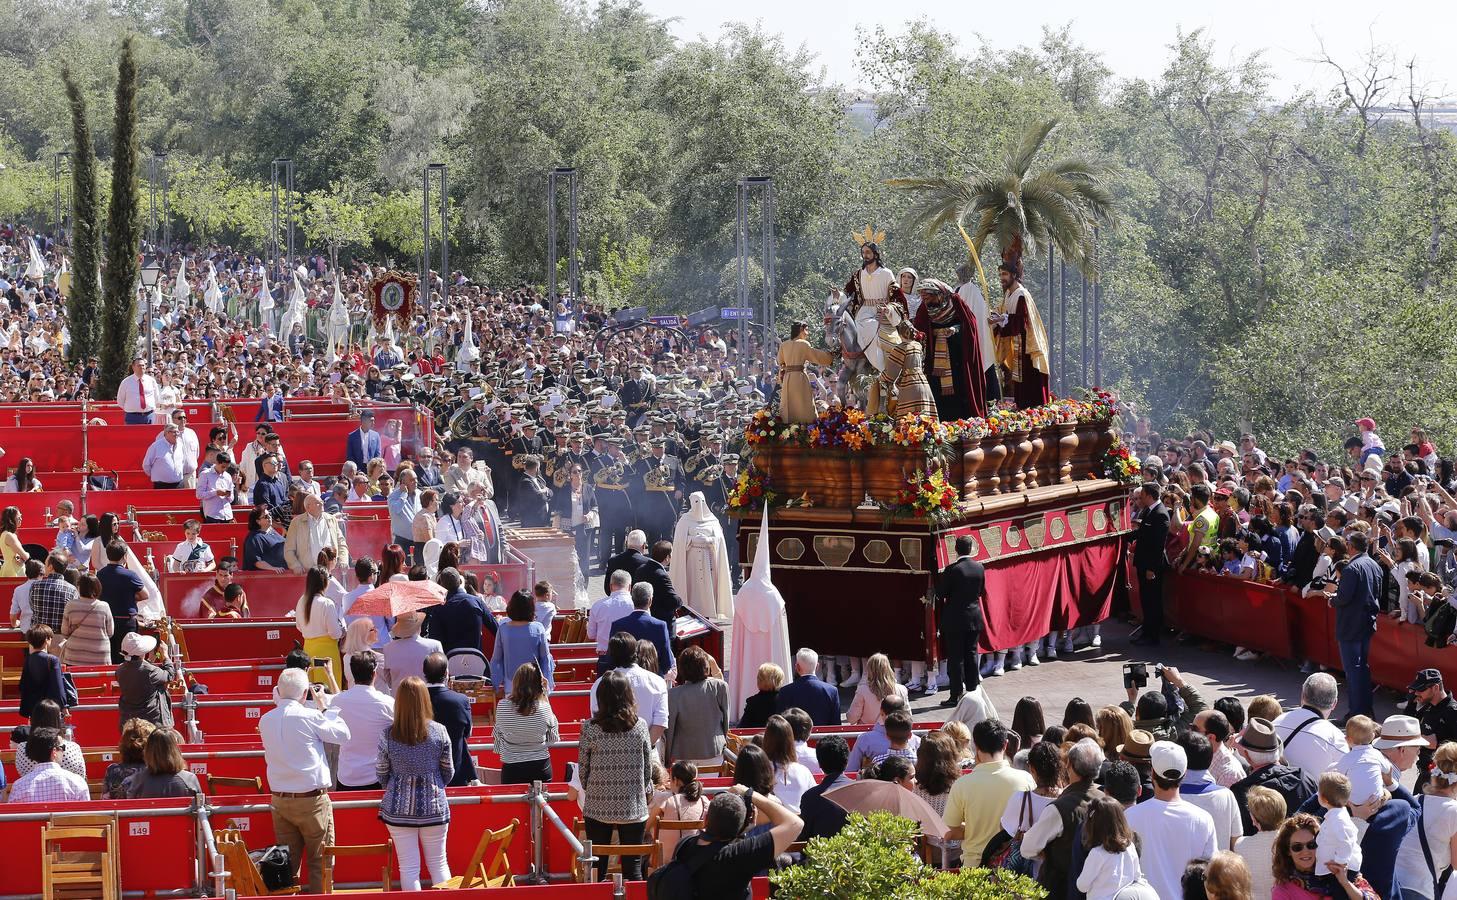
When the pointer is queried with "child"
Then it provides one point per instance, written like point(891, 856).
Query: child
point(1367, 769)
point(235, 604)
point(1339, 842)
point(684, 802)
point(1412, 604)
point(1371, 442)
point(1112, 860)
point(542, 594)
point(902, 742)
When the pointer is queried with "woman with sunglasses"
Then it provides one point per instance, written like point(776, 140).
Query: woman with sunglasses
point(1294, 865)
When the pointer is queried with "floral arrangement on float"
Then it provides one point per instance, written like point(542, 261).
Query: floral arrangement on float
point(1120, 465)
point(751, 491)
point(927, 497)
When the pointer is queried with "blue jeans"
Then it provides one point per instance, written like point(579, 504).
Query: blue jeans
point(1356, 660)
point(137, 418)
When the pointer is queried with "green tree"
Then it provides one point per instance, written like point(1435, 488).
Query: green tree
point(124, 235)
point(335, 218)
point(83, 305)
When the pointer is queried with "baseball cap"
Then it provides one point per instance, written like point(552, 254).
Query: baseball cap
point(1169, 759)
point(1425, 679)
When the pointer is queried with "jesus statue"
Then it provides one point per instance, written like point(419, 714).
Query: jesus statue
point(868, 290)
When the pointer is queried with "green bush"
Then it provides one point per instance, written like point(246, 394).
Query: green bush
point(873, 858)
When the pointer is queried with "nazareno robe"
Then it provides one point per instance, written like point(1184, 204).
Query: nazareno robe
point(965, 395)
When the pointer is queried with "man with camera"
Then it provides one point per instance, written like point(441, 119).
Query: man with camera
point(1150, 560)
point(1167, 712)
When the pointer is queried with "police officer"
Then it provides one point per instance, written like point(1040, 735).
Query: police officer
point(636, 394)
point(1431, 705)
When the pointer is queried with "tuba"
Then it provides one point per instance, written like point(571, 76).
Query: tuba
point(456, 428)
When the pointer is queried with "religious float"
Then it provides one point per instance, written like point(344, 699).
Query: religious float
point(865, 510)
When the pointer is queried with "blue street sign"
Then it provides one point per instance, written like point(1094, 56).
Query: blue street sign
point(736, 312)
point(670, 321)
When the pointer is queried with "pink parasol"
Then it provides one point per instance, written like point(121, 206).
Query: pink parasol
point(394, 598)
point(868, 795)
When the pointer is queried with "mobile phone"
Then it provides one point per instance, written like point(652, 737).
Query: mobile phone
point(320, 663)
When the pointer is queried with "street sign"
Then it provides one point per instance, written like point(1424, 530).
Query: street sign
point(736, 312)
point(669, 321)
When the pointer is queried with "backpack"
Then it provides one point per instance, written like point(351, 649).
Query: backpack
point(674, 881)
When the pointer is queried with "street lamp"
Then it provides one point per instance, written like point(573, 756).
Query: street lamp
point(151, 277)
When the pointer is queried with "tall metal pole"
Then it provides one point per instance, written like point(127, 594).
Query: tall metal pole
point(741, 233)
point(1097, 311)
point(60, 231)
point(152, 201)
point(166, 203)
point(429, 208)
point(554, 178)
point(1083, 308)
point(766, 211)
point(1055, 380)
point(444, 241)
point(424, 287)
point(283, 241)
point(551, 250)
point(574, 275)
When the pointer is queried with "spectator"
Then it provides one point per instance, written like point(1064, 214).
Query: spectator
point(365, 572)
point(404, 503)
point(215, 488)
point(877, 683)
point(1310, 741)
point(50, 594)
point(803, 726)
point(166, 773)
point(317, 620)
point(45, 780)
point(1357, 603)
point(616, 769)
point(20, 611)
point(698, 716)
point(520, 640)
point(1267, 810)
point(362, 445)
point(650, 692)
point(758, 708)
point(310, 534)
point(875, 743)
point(134, 734)
point(294, 734)
point(1061, 822)
point(1200, 789)
point(1296, 846)
point(263, 547)
point(405, 655)
point(525, 729)
point(685, 803)
point(142, 686)
point(808, 692)
point(655, 572)
point(40, 675)
point(192, 554)
point(822, 816)
point(462, 620)
point(640, 624)
point(542, 593)
point(1260, 748)
point(791, 778)
point(1156, 712)
point(609, 609)
point(423, 527)
point(975, 805)
point(1227, 877)
point(414, 764)
point(360, 638)
point(737, 856)
point(368, 713)
point(1226, 768)
point(632, 559)
point(1427, 848)
point(1436, 710)
point(1172, 832)
point(166, 461)
point(124, 592)
point(754, 770)
point(1112, 864)
point(452, 710)
point(87, 626)
point(1028, 722)
point(936, 772)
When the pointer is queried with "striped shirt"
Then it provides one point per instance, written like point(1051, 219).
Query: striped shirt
point(48, 599)
point(519, 738)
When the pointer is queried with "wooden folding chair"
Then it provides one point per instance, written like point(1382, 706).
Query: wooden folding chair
point(331, 852)
point(93, 690)
point(614, 853)
point(211, 782)
point(243, 876)
point(685, 830)
point(84, 874)
point(714, 770)
point(483, 873)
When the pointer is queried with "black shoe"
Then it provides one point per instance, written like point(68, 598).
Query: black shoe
point(954, 700)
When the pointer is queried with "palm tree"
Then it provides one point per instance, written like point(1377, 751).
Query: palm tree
point(1060, 204)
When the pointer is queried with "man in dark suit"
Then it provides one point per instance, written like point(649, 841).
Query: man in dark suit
point(461, 619)
point(822, 816)
point(1357, 604)
point(655, 572)
point(363, 444)
point(531, 502)
point(962, 586)
point(632, 559)
point(642, 625)
point(453, 711)
point(270, 408)
point(1302, 562)
point(1150, 560)
point(807, 692)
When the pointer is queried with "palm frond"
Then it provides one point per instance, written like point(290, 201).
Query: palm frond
point(1077, 168)
point(1020, 162)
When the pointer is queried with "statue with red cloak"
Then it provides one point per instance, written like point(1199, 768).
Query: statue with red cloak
point(953, 352)
point(1022, 349)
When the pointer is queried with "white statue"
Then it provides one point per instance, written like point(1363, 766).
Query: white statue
point(700, 566)
point(761, 628)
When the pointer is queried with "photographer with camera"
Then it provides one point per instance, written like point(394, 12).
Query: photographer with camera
point(1167, 712)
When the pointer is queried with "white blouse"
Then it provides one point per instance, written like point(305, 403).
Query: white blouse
point(323, 619)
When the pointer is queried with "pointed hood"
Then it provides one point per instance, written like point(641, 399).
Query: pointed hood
point(212, 295)
point(265, 296)
point(760, 626)
point(35, 268)
point(181, 288)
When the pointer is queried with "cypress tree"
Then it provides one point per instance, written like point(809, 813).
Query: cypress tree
point(83, 306)
point(124, 236)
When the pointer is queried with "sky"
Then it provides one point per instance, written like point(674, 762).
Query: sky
point(1132, 37)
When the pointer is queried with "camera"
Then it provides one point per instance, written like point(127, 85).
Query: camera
point(1135, 675)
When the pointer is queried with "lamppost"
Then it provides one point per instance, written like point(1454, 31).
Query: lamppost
point(151, 277)
point(569, 175)
point(429, 209)
point(60, 231)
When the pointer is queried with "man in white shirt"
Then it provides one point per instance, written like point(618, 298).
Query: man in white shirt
point(1172, 832)
point(1312, 742)
point(609, 609)
point(215, 490)
point(166, 462)
point(20, 613)
point(137, 394)
point(368, 713)
point(1200, 789)
point(648, 688)
point(305, 480)
point(190, 446)
point(294, 735)
point(47, 781)
point(1226, 768)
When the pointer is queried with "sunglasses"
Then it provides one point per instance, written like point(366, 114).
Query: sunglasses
point(1297, 847)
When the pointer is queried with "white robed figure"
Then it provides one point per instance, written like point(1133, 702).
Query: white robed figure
point(338, 322)
point(761, 628)
point(212, 295)
point(35, 266)
point(181, 289)
point(468, 352)
point(868, 290)
point(152, 607)
point(293, 314)
point(265, 302)
point(700, 566)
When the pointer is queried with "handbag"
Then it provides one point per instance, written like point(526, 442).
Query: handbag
point(1005, 850)
point(274, 866)
point(69, 695)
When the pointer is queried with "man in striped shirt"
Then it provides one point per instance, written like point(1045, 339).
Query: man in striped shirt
point(50, 594)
